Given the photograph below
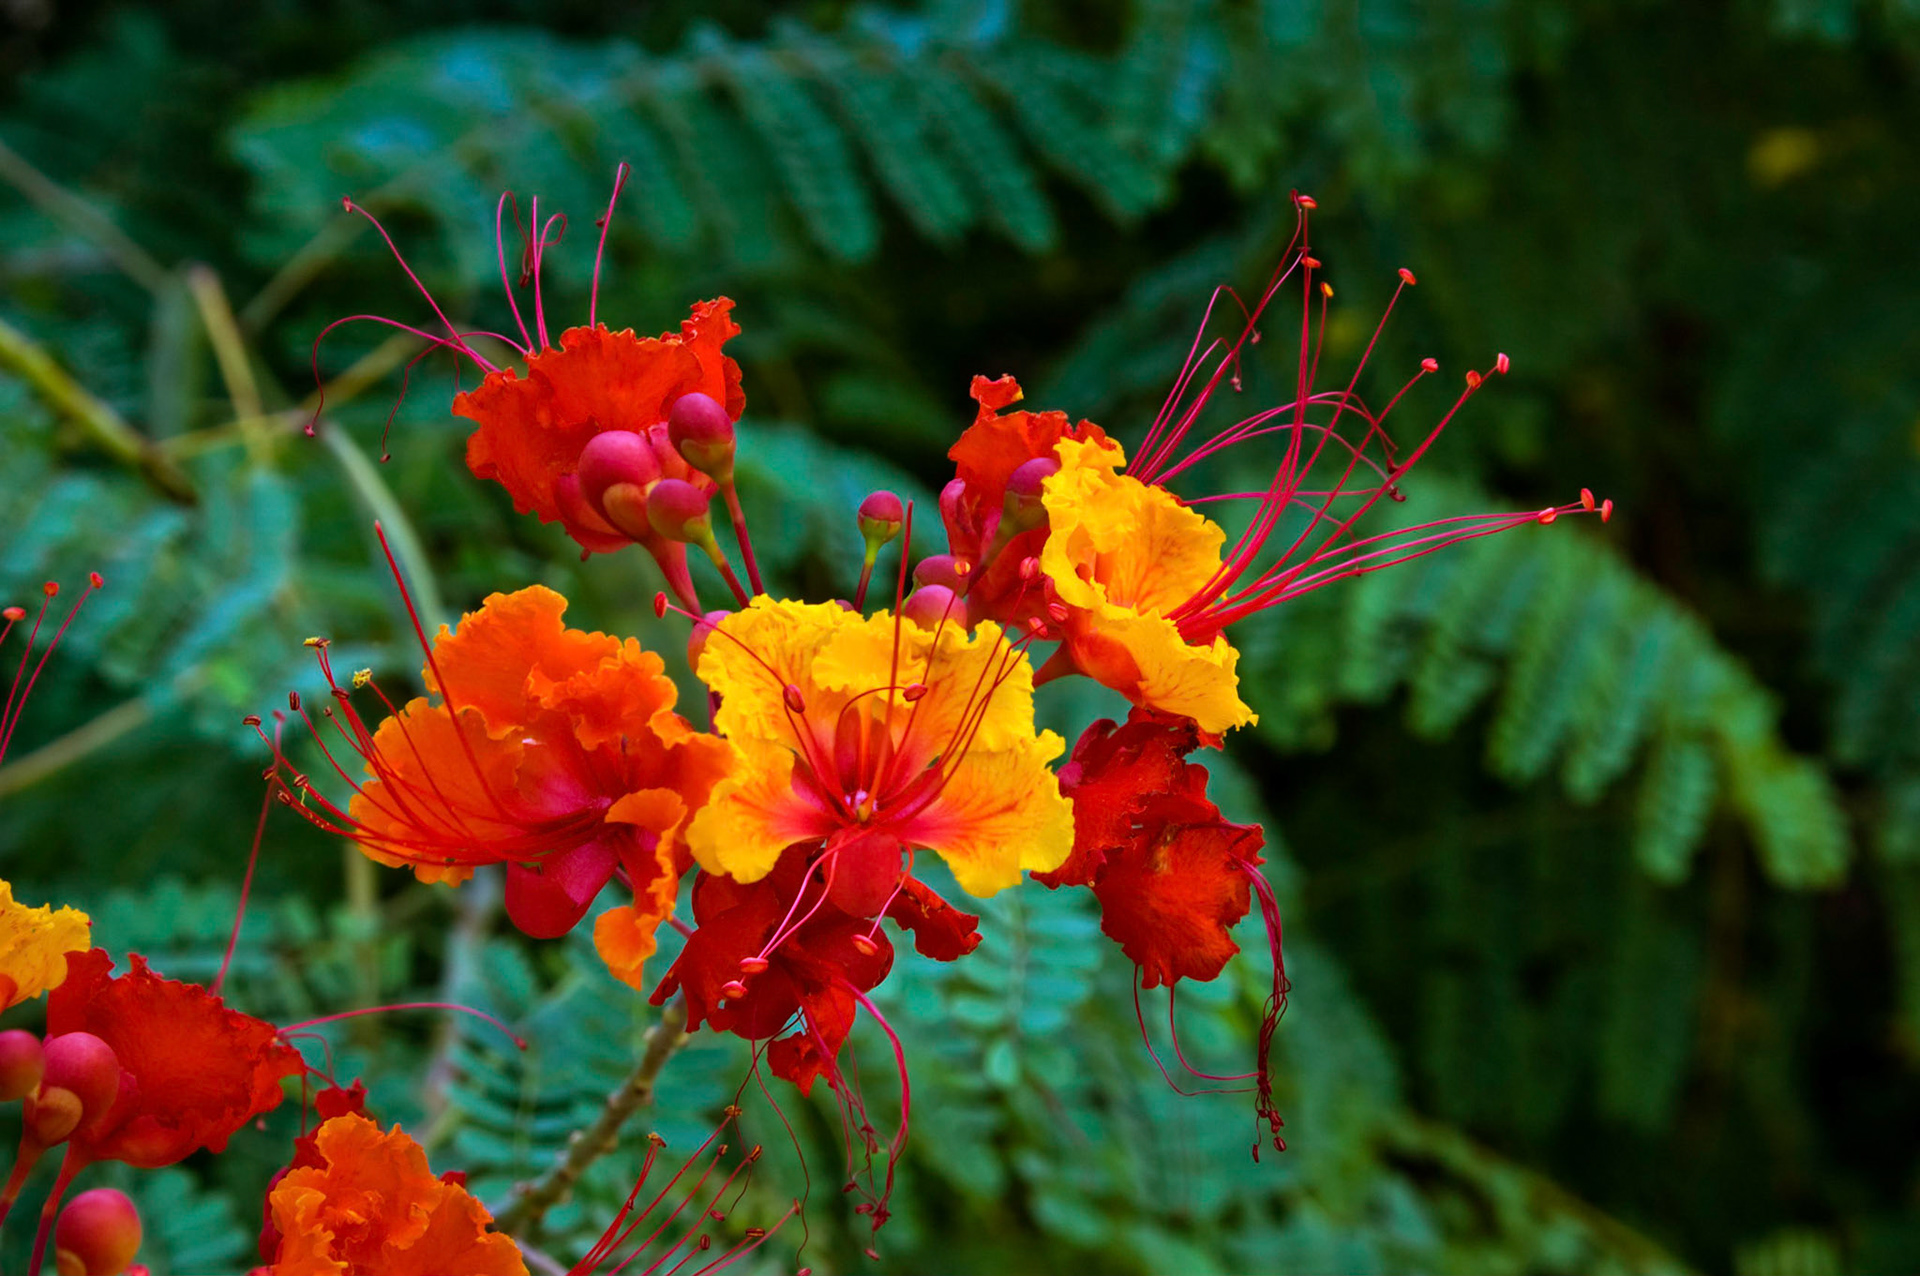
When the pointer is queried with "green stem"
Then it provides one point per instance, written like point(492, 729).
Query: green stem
point(27, 359)
point(61, 204)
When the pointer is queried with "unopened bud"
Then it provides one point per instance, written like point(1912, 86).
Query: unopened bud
point(938, 569)
point(85, 1065)
point(702, 630)
point(1023, 508)
point(929, 605)
point(97, 1235)
point(703, 433)
point(678, 511)
point(881, 515)
point(52, 1113)
point(616, 460)
point(21, 1064)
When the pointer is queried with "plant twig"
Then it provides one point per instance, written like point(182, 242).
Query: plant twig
point(61, 204)
point(27, 359)
point(56, 755)
point(230, 352)
point(363, 476)
point(532, 1200)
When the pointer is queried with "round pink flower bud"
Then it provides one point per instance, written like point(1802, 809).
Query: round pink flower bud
point(937, 569)
point(85, 1065)
point(678, 511)
point(881, 516)
point(1023, 509)
point(929, 605)
point(703, 433)
point(22, 1061)
point(613, 457)
point(98, 1234)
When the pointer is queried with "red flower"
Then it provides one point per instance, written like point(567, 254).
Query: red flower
point(533, 429)
point(1172, 875)
point(766, 951)
point(781, 951)
point(194, 1071)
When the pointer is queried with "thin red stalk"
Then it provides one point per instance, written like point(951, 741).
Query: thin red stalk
point(71, 1165)
point(246, 889)
point(739, 517)
point(518, 1040)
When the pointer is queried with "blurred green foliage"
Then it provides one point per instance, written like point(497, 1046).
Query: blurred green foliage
point(1601, 851)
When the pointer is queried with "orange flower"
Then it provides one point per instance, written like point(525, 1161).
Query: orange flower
point(34, 943)
point(371, 1207)
point(195, 1071)
point(552, 750)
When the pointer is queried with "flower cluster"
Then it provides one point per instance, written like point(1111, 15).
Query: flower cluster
point(847, 743)
point(854, 757)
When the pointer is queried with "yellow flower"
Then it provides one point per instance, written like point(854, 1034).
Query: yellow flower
point(34, 943)
point(853, 728)
point(1121, 556)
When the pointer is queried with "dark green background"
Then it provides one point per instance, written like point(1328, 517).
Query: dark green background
point(1599, 847)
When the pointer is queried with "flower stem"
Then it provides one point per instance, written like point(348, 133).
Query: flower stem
point(532, 1200)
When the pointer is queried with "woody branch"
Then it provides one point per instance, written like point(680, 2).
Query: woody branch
point(532, 1200)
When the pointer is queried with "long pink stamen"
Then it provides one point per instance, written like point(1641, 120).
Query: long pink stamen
point(518, 1040)
point(500, 248)
point(620, 173)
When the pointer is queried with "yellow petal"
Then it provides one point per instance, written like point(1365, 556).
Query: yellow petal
point(959, 672)
point(34, 943)
point(1001, 813)
point(1121, 555)
point(753, 815)
point(758, 653)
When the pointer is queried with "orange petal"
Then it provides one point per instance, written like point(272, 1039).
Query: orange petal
point(514, 640)
point(532, 428)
